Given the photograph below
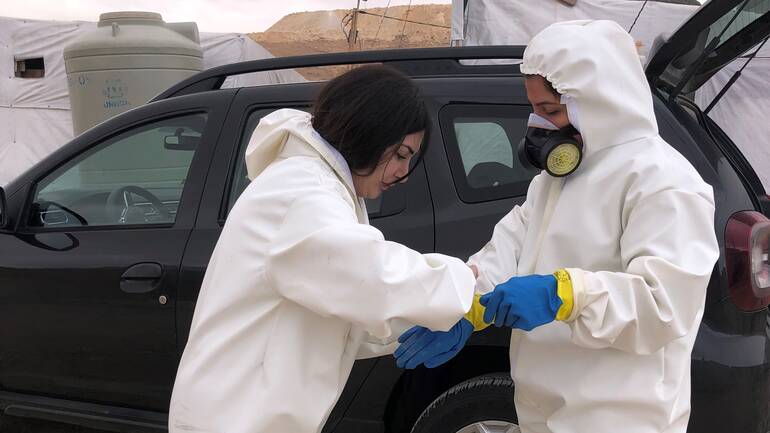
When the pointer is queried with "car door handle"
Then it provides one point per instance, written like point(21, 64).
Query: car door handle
point(141, 278)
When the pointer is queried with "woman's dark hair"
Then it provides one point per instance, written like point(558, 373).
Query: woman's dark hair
point(547, 83)
point(368, 109)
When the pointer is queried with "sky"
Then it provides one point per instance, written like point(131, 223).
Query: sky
point(239, 16)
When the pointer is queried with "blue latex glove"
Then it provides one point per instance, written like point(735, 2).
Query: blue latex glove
point(522, 302)
point(420, 345)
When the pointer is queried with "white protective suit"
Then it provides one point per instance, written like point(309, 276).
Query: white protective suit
point(634, 226)
point(298, 286)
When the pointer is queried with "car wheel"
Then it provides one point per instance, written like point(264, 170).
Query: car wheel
point(480, 405)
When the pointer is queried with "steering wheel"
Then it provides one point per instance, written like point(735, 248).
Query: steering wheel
point(490, 174)
point(119, 202)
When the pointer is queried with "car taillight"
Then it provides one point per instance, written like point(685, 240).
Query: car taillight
point(747, 243)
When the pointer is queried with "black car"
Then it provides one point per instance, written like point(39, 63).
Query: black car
point(104, 244)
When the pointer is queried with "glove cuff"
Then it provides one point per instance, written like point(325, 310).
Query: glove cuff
point(565, 293)
point(476, 314)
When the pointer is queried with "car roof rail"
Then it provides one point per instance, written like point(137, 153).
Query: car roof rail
point(413, 62)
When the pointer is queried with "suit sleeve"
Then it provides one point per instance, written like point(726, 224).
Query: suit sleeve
point(498, 260)
point(372, 347)
point(326, 261)
point(669, 249)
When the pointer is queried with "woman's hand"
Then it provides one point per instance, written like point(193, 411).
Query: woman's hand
point(475, 271)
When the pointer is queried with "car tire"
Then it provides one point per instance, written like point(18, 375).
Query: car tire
point(481, 404)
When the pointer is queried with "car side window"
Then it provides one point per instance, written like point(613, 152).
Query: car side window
point(136, 177)
point(482, 144)
point(395, 198)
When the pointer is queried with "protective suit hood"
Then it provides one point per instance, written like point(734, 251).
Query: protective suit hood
point(612, 107)
point(289, 132)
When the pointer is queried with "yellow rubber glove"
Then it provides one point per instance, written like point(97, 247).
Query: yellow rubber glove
point(564, 292)
point(476, 314)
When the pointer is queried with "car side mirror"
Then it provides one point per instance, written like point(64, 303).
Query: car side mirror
point(3, 208)
point(181, 142)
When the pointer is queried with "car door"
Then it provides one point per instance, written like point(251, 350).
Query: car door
point(88, 281)
point(480, 158)
point(411, 225)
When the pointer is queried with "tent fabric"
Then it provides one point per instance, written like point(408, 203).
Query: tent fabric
point(223, 48)
point(743, 110)
point(28, 135)
point(23, 39)
point(458, 21)
point(515, 22)
point(34, 112)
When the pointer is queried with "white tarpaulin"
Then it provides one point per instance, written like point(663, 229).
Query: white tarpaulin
point(34, 112)
point(515, 22)
point(742, 112)
point(458, 22)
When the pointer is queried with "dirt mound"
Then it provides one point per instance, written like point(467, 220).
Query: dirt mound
point(322, 32)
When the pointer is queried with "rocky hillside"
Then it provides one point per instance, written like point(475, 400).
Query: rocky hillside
point(322, 32)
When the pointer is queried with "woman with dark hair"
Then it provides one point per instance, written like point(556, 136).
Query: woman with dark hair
point(300, 285)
